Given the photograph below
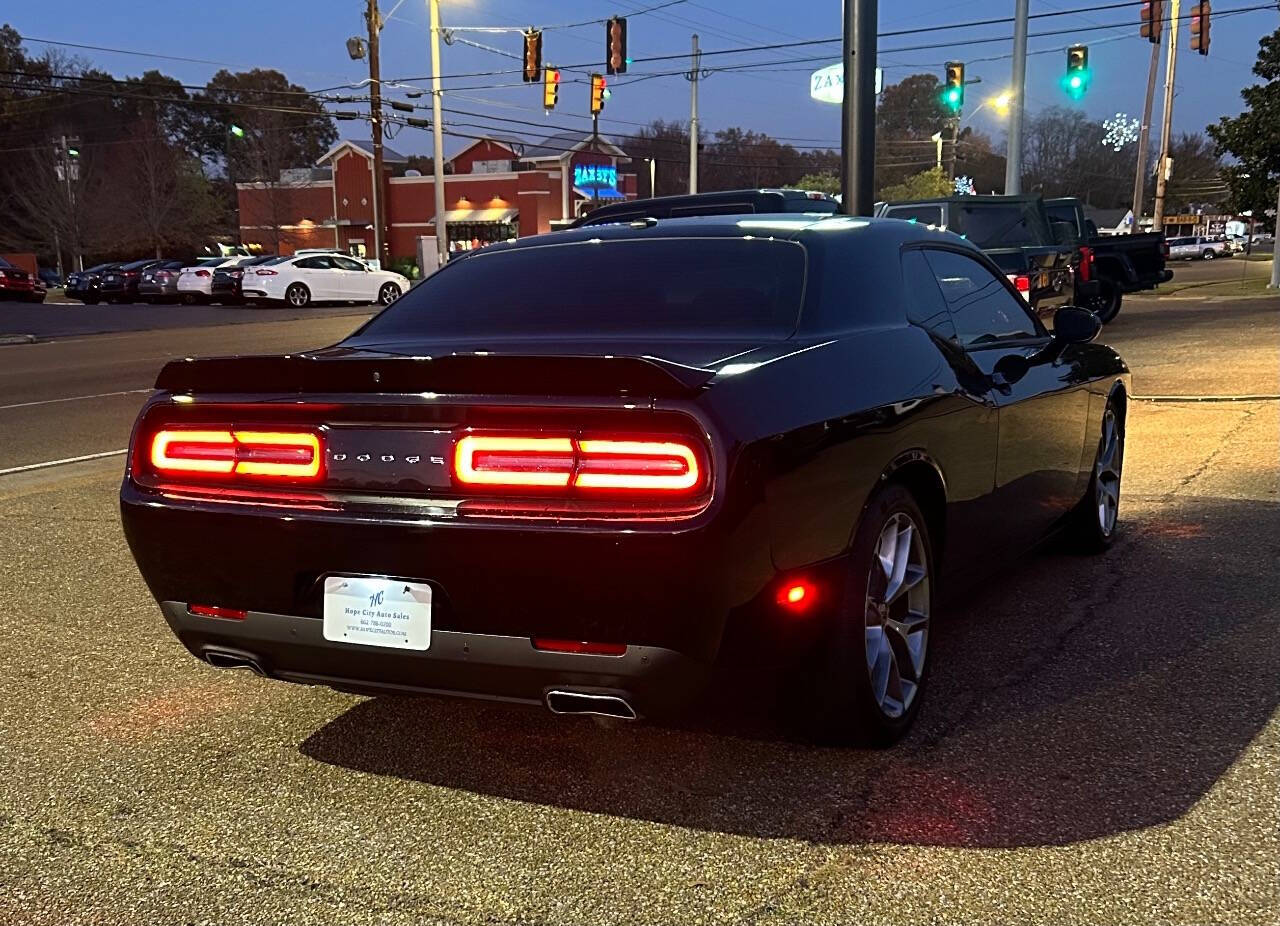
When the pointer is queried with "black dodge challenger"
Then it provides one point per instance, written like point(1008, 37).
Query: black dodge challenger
point(580, 468)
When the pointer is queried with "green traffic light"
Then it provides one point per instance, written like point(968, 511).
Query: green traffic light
point(237, 131)
point(953, 98)
point(1076, 84)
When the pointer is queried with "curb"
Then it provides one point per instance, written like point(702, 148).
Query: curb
point(17, 339)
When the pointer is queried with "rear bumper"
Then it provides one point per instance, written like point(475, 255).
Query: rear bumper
point(157, 289)
point(489, 666)
point(19, 287)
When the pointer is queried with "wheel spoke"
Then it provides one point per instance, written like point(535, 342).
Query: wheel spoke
point(901, 561)
point(908, 637)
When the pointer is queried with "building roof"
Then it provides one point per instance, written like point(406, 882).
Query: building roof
point(555, 146)
point(510, 142)
point(363, 148)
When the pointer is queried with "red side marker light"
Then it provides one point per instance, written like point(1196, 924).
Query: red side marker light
point(208, 610)
point(797, 597)
point(579, 646)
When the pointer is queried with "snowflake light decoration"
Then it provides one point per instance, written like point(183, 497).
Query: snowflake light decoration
point(1121, 131)
point(964, 186)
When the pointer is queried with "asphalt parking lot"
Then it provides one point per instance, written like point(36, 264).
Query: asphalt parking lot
point(1101, 742)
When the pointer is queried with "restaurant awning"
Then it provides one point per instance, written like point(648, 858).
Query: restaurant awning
point(477, 216)
point(604, 192)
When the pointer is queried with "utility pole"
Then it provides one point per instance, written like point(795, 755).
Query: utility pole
point(936, 137)
point(374, 21)
point(858, 129)
point(692, 77)
point(437, 132)
point(1275, 258)
point(1013, 153)
point(1162, 176)
point(1144, 135)
point(955, 143)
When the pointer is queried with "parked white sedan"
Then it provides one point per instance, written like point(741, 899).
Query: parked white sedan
point(301, 280)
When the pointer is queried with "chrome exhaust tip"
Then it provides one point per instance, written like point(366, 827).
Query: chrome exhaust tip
point(596, 705)
point(229, 659)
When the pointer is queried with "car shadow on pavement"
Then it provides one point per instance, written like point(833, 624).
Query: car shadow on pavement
point(1075, 698)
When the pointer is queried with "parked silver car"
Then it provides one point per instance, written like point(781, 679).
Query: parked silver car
point(1193, 247)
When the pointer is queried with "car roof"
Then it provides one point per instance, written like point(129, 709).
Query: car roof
point(798, 226)
point(996, 199)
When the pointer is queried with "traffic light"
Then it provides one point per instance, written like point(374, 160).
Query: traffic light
point(550, 88)
point(615, 45)
point(598, 93)
point(236, 131)
point(532, 56)
point(1200, 27)
point(1152, 20)
point(953, 90)
point(1076, 80)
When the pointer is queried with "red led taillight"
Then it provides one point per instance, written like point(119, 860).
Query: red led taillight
point(1086, 263)
point(265, 273)
point(202, 273)
point(667, 465)
point(289, 455)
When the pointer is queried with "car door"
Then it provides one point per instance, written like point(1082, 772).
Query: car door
point(1043, 405)
point(963, 426)
point(321, 276)
point(357, 281)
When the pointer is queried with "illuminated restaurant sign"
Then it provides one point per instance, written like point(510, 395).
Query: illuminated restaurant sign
point(595, 176)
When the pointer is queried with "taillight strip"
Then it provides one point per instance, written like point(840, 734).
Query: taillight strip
point(505, 461)
point(279, 454)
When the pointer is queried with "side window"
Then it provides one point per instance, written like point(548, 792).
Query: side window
point(309, 263)
point(925, 305)
point(982, 308)
point(346, 263)
point(925, 215)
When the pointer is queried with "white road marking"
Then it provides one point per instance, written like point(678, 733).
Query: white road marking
point(74, 398)
point(48, 463)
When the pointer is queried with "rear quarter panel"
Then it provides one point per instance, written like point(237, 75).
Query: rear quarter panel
point(824, 425)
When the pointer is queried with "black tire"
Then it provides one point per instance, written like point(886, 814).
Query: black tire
point(388, 293)
point(1096, 520)
point(297, 296)
point(89, 301)
point(1208, 254)
point(832, 698)
point(1106, 304)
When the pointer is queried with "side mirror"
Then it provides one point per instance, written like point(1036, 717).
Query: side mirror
point(1072, 325)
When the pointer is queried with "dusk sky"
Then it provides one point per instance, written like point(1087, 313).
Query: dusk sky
point(306, 41)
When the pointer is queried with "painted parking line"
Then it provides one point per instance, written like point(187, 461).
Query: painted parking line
point(74, 398)
point(48, 463)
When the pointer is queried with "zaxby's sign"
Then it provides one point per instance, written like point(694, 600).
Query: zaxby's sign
point(827, 85)
point(595, 177)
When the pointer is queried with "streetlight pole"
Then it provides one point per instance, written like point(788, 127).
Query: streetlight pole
point(693, 76)
point(1162, 177)
point(1144, 136)
point(374, 21)
point(858, 128)
point(437, 132)
point(1013, 156)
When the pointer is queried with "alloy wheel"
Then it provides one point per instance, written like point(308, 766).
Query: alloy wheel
point(388, 294)
point(897, 615)
point(297, 296)
point(1106, 473)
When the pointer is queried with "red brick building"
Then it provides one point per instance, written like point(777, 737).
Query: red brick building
point(495, 188)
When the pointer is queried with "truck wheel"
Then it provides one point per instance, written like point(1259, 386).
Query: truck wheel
point(1208, 254)
point(1106, 304)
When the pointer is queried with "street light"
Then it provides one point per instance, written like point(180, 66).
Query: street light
point(1001, 102)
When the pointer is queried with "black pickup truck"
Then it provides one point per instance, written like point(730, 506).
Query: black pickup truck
point(1116, 264)
point(1015, 232)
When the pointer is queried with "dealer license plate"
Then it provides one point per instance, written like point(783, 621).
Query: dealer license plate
point(377, 612)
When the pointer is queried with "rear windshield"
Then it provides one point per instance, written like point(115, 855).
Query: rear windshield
point(139, 264)
point(679, 287)
point(999, 225)
point(1063, 221)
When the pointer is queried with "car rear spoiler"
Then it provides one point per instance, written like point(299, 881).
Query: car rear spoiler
point(340, 370)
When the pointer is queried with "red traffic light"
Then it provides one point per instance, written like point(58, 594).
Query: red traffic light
point(1200, 28)
point(615, 45)
point(1152, 20)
